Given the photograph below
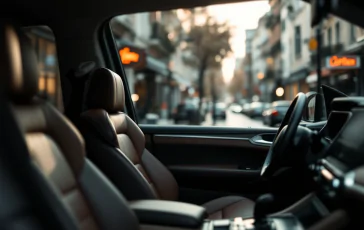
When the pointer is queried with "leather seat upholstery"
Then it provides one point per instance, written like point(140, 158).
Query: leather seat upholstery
point(116, 143)
point(56, 148)
point(117, 146)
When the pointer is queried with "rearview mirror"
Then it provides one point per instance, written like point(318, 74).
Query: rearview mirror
point(315, 108)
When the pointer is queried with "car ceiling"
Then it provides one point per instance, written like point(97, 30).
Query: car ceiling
point(58, 13)
point(58, 10)
point(75, 22)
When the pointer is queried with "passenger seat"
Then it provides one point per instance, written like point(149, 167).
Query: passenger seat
point(116, 145)
point(56, 147)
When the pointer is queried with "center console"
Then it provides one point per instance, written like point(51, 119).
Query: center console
point(281, 222)
point(169, 215)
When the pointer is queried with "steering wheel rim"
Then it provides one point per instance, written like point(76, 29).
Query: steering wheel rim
point(285, 133)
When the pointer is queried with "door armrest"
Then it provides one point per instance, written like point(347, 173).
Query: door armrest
point(169, 213)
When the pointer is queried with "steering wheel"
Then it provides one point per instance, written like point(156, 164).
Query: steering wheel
point(285, 135)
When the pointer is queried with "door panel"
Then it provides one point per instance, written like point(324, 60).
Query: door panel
point(209, 162)
point(227, 153)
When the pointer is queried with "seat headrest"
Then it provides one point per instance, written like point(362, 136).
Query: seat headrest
point(19, 66)
point(105, 91)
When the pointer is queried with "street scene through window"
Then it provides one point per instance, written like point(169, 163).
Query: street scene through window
point(237, 65)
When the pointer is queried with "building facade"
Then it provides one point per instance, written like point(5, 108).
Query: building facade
point(282, 56)
point(155, 87)
point(249, 80)
point(259, 65)
point(296, 34)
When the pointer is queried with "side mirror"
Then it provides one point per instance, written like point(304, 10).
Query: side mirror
point(315, 108)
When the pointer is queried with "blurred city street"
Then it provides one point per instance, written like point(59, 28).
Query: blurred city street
point(235, 120)
point(232, 120)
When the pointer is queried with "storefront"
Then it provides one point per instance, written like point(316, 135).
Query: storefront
point(342, 74)
point(156, 88)
point(296, 83)
point(311, 79)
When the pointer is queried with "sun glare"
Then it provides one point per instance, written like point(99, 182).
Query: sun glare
point(241, 16)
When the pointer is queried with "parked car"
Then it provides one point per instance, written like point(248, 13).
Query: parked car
point(186, 111)
point(220, 110)
point(246, 108)
point(206, 107)
point(275, 114)
point(236, 108)
point(257, 108)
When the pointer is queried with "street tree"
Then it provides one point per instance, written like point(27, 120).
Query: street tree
point(210, 44)
point(236, 84)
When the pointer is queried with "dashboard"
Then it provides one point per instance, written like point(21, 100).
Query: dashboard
point(335, 124)
point(345, 131)
point(339, 168)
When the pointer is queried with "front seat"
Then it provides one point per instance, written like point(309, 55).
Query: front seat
point(117, 146)
point(56, 149)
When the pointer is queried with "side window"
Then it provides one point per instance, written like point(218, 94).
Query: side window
point(221, 64)
point(43, 41)
point(180, 64)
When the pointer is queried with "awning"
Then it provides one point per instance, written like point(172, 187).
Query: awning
point(153, 64)
point(354, 48)
point(296, 76)
point(181, 80)
point(312, 78)
point(124, 42)
point(149, 63)
point(157, 66)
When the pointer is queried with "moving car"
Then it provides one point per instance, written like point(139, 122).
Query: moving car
point(275, 114)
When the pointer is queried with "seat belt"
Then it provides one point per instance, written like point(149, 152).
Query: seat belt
point(49, 207)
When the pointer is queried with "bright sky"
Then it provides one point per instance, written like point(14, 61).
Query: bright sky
point(242, 16)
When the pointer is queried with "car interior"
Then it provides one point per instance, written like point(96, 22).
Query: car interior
point(93, 166)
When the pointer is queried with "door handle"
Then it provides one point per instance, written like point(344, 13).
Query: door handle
point(263, 142)
point(258, 140)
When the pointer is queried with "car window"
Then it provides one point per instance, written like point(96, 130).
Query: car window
point(43, 41)
point(248, 53)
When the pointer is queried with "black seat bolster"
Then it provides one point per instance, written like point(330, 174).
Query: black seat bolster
point(109, 206)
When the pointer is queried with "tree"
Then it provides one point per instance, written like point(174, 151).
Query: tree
point(237, 82)
point(209, 43)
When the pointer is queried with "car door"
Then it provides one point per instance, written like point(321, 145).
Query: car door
point(209, 162)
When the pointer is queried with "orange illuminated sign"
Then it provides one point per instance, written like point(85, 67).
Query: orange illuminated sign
point(132, 57)
point(128, 56)
point(343, 62)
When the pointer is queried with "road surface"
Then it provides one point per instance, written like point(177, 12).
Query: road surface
point(235, 120)
point(232, 120)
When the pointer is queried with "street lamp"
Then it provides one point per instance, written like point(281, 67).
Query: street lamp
point(260, 76)
point(279, 92)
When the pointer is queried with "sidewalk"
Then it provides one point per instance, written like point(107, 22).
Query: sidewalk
point(165, 122)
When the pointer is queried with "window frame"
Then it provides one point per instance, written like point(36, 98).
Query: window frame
point(112, 61)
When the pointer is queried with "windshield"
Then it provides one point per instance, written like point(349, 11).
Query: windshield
point(247, 54)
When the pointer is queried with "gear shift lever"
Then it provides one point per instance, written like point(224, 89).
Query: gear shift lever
point(263, 206)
